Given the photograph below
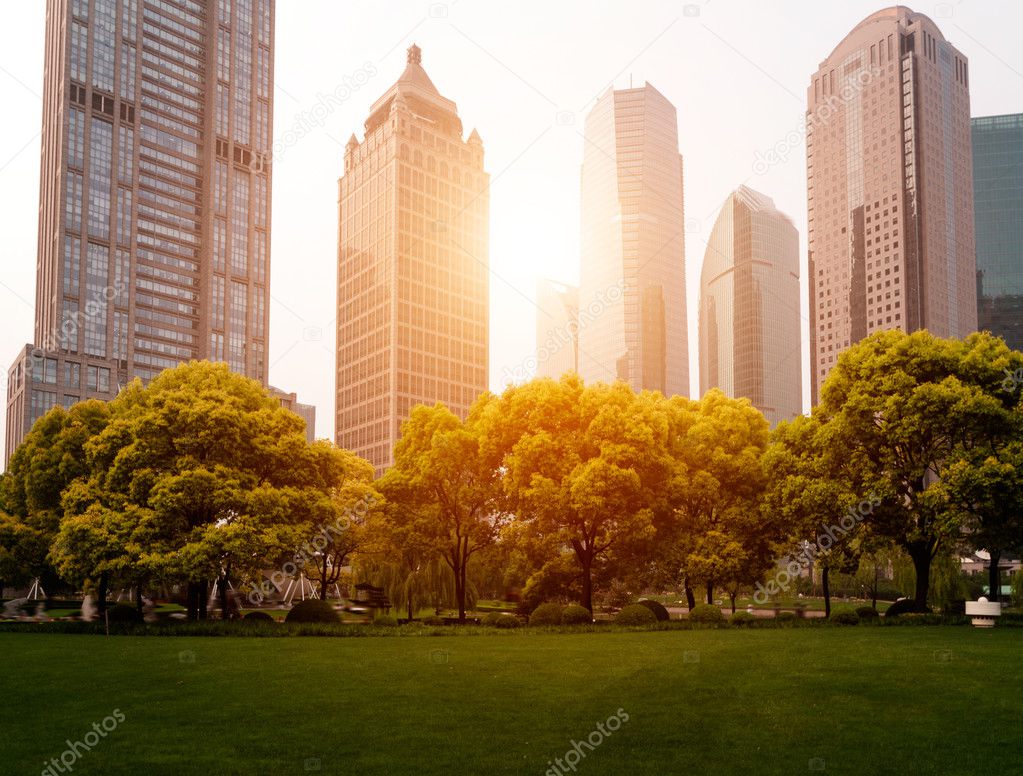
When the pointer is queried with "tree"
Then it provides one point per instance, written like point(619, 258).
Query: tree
point(582, 465)
point(335, 530)
point(448, 492)
point(811, 491)
point(901, 410)
point(210, 474)
point(711, 499)
point(49, 459)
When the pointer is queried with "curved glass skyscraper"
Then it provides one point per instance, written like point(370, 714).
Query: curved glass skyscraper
point(749, 307)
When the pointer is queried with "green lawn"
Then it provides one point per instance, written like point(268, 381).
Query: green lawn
point(862, 700)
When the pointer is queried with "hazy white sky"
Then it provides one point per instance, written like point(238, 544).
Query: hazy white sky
point(736, 71)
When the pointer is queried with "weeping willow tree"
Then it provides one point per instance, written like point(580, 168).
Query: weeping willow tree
point(415, 585)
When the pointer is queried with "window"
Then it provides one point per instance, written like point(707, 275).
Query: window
point(79, 51)
point(100, 159)
point(75, 137)
point(240, 223)
point(97, 282)
point(72, 374)
point(103, 45)
point(44, 370)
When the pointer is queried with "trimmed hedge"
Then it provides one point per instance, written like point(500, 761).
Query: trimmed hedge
point(313, 610)
point(546, 614)
point(385, 621)
point(743, 618)
point(867, 613)
point(844, 618)
point(906, 606)
point(706, 613)
point(635, 614)
point(573, 614)
point(435, 619)
point(657, 608)
point(785, 617)
point(258, 617)
point(124, 613)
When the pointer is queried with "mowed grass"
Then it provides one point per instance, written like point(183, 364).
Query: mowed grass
point(862, 700)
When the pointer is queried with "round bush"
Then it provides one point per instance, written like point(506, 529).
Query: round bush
point(635, 614)
point(493, 619)
point(867, 613)
point(546, 614)
point(258, 617)
point(573, 614)
point(124, 613)
point(743, 618)
point(785, 617)
point(385, 621)
point(313, 610)
point(507, 621)
point(706, 613)
point(657, 608)
point(434, 619)
point(905, 606)
point(844, 618)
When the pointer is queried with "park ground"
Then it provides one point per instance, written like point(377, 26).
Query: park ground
point(857, 700)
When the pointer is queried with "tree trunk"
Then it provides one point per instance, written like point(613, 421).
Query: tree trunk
point(410, 608)
point(710, 593)
point(323, 578)
point(690, 596)
point(204, 599)
point(877, 571)
point(587, 596)
point(921, 556)
point(460, 585)
point(994, 579)
point(224, 598)
point(826, 588)
point(731, 596)
point(192, 600)
point(138, 597)
point(101, 594)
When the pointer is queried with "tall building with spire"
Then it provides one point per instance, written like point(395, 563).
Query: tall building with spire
point(154, 212)
point(889, 187)
point(413, 258)
point(749, 307)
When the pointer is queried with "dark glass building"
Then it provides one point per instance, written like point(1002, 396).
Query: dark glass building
point(998, 214)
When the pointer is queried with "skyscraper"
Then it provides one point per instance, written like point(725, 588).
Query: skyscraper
point(889, 187)
point(998, 208)
point(412, 293)
point(749, 307)
point(154, 217)
point(632, 242)
point(557, 328)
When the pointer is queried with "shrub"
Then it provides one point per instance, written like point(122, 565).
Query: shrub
point(867, 613)
point(385, 621)
point(785, 617)
point(905, 606)
point(255, 617)
point(743, 618)
point(546, 614)
point(434, 619)
point(507, 621)
point(313, 610)
point(493, 619)
point(657, 608)
point(706, 613)
point(635, 614)
point(124, 613)
point(844, 618)
point(924, 618)
point(573, 614)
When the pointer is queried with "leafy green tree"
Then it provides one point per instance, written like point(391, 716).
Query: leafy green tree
point(447, 492)
point(717, 533)
point(211, 476)
point(583, 466)
point(49, 459)
point(901, 410)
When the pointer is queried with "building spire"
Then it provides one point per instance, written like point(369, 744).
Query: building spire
point(415, 55)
